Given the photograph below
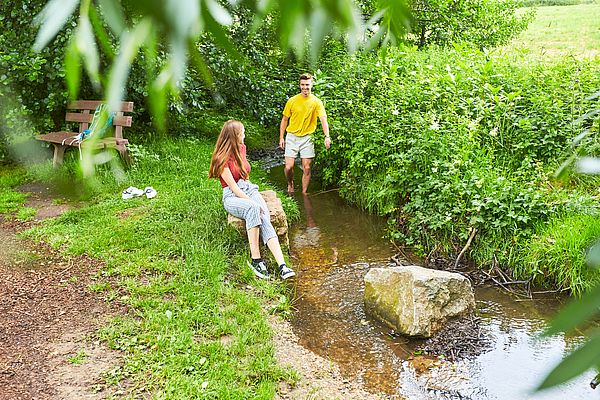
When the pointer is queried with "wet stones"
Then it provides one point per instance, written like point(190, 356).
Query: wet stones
point(417, 301)
point(278, 217)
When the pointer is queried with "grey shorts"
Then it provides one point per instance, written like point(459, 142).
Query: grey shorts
point(299, 144)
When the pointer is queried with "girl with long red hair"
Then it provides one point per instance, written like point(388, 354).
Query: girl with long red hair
point(242, 199)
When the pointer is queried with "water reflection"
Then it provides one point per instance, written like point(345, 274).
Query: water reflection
point(334, 246)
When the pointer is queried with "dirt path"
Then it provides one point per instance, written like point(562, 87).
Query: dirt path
point(48, 317)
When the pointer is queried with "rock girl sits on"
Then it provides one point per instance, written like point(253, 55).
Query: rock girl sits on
point(242, 199)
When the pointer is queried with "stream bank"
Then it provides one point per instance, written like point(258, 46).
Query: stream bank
point(334, 246)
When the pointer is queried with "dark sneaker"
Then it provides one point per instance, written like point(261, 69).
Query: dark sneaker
point(259, 269)
point(286, 272)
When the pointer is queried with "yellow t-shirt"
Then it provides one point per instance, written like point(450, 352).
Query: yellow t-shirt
point(303, 112)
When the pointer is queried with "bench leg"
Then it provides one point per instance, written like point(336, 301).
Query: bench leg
point(124, 155)
point(59, 152)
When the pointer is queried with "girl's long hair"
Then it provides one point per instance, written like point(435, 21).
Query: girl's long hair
point(228, 144)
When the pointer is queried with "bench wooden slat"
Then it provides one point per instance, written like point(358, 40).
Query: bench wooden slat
point(87, 118)
point(69, 140)
point(126, 106)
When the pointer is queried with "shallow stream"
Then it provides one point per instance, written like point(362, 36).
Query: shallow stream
point(333, 247)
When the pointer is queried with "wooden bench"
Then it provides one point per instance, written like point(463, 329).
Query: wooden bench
point(82, 112)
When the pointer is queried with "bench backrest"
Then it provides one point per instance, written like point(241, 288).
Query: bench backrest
point(86, 114)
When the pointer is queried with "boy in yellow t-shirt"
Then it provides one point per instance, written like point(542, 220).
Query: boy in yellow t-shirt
point(299, 123)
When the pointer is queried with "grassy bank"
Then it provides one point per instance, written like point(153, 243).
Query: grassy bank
point(197, 326)
point(446, 141)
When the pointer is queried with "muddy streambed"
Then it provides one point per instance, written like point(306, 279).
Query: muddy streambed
point(333, 247)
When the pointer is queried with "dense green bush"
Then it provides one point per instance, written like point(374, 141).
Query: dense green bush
point(32, 84)
point(442, 141)
point(484, 23)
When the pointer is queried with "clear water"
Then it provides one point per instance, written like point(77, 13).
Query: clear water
point(333, 247)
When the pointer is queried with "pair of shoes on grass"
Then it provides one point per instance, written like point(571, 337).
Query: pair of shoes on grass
point(132, 192)
point(260, 269)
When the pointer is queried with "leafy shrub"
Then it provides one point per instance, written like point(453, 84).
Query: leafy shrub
point(442, 141)
point(543, 3)
point(484, 23)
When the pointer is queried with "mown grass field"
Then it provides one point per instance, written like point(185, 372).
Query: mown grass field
point(559, 31)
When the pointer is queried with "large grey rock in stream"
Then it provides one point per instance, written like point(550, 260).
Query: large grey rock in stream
point(417, 301)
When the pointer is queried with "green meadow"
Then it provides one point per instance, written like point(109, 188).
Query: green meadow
point(561, 31)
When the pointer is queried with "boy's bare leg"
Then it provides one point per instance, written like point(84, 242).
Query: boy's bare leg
point(289, 173)
point(306, 173)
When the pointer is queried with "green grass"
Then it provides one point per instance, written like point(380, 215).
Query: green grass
point(559, 31)
point(10, 199)
point(78, 358)
point(182, 272)
point(556, 255)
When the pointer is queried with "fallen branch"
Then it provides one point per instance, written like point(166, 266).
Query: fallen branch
point(460, 255)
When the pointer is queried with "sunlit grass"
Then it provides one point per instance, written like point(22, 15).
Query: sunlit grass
point(557, 254)
point(10, 199)
point(183, 274)
point(559, 31)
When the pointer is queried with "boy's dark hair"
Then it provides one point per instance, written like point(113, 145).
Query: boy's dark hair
point(306, 76)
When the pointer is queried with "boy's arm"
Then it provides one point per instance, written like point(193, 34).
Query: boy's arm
point(325, 127)
point(282, 126)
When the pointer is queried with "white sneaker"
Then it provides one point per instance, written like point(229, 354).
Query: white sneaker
point(286, 272)
point(150, 192)
point(259, 269)
point(131, 192)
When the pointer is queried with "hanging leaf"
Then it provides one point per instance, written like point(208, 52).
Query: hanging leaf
point(588, 165)
point(320, 26)
point(101, 34)
point(575, 313)
point(575, 364)
point(130, 45)
point(72, 68)
point(113, 15)
point(592, 257)
point(219, 13)
point(184, 16)
point(51, 20)
point(219, 35)
point(86, 45)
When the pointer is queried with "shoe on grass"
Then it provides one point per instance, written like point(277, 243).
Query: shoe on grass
point(131, 192)
point(286, 272)
point(259, 269)
point(150, 192)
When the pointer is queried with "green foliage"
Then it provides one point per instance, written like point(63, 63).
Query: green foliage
point(555, 256)
point(165, 32)
point(484, 23)
point(31, 84)
point(542, 3)
point(10, 199)
point(34, 80)
point(442, 141)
